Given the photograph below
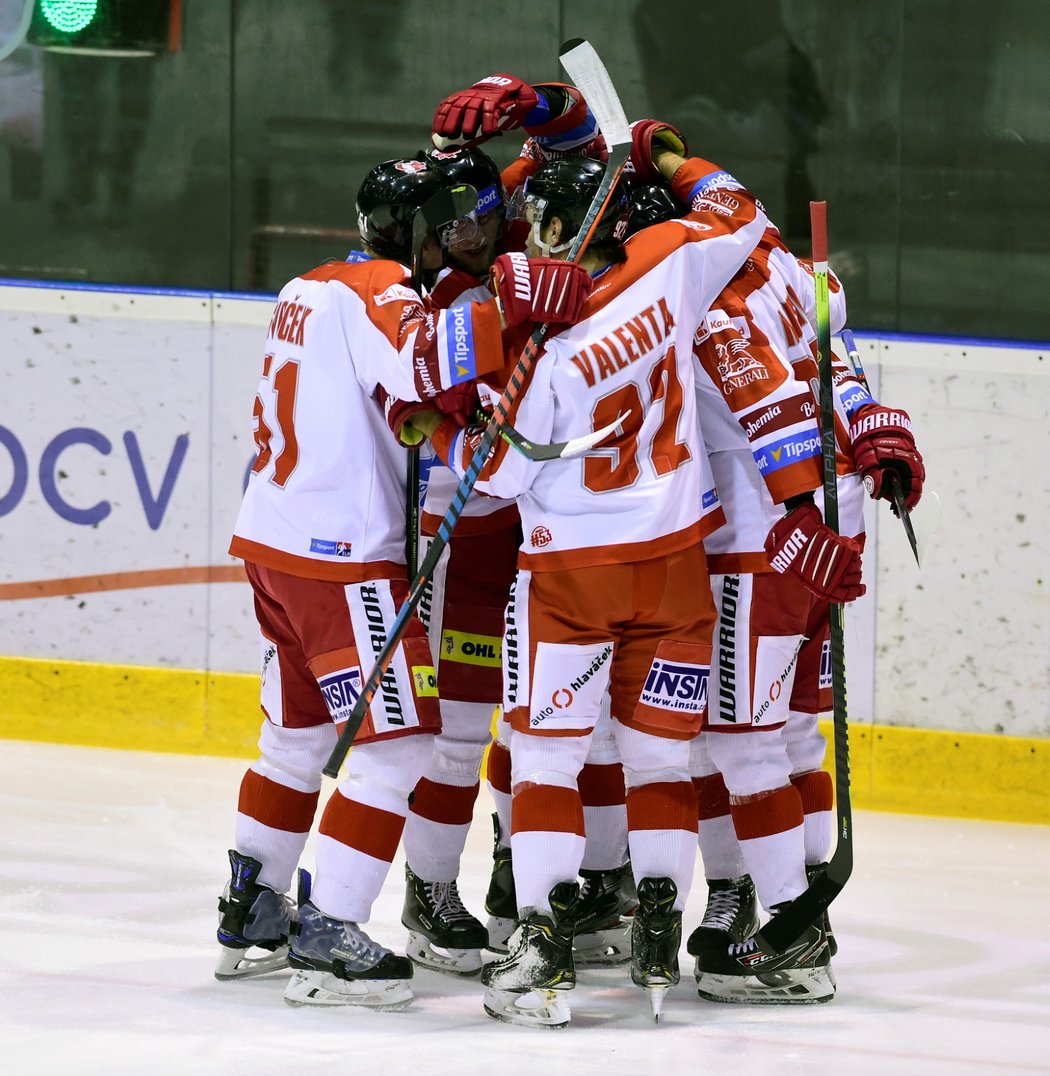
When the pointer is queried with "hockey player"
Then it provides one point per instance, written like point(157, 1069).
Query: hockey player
point(463, 612)
point(322, 533)
point(605, 596)
point(771, 630)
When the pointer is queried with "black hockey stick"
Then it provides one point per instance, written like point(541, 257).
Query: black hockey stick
point(587, 71)
point(785, 927)
point(891, 478)
point(560, 450)
point(412, 512)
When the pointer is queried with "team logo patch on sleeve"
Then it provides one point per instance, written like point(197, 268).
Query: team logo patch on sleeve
point(456, 347)
point(676, 685)
point(340, 690)
point(783, 453)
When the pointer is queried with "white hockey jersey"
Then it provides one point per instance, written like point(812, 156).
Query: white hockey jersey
point(648, 490)
point(326, 498)
point(761, 421)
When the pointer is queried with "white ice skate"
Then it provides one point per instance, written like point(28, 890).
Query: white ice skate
point(337, 963)
point(325, 989)
point(537, 1008)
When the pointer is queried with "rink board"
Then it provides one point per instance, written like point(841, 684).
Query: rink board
point(125, 443)
point(918, 771)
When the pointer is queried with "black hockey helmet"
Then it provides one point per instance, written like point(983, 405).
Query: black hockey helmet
point(564, 188)
point(400, 202)
point(650, 203)
point(473, 166)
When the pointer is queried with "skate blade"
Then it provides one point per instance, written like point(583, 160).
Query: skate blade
point(801, 987)
point(537, 1008)
point(656, 999)
point(603, 948)
point(462, 962)
point(323, 989)
point(499, 931)
point(242, 964)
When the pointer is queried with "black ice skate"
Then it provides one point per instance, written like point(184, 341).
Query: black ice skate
point(442, 934)
point(656, 937)
point(731, 915)
point(253, 923)
point(527, 986)
point(743, 974)
point(813, 872)
point(337, 963)
point(603, 923)
point(500, 901)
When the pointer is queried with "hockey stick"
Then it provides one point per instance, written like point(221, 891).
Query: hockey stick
point(560, 450)
point(779, 933)
point(412, 512)
point(891, 478)
point(587, 71)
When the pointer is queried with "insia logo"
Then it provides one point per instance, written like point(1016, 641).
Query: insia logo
point(340, 690)
point(676, 685)
point(824, 683)
point(540, 537)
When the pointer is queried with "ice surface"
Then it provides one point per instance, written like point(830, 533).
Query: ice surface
point(112, 862)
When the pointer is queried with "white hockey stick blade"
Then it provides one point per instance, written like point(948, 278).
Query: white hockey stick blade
point(585, 68)
point(579, 445)
point(560, 450)
point(926, 519)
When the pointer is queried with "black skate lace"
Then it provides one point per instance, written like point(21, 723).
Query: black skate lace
point(445, 898)
point(722, 908)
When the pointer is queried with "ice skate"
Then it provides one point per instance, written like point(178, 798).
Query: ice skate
point(813, 872)
point(603, 923)
point(656, 937)
point(527, 986)
point(253, 924)
point(500, 901)
point(743, 974)
point(337, 963)
point(731, 915)
point(442, 934)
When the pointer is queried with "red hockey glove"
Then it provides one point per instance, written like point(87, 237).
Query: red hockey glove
point(649, 137)
point(539, 289)
point(825, 562)
point(883, 442)
point(495, 104)
point(459, 403)
point(595, 150)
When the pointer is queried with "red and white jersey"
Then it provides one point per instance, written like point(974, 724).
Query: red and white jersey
point(761, 420)
point(481, 514)
point(326, 496)
point(648, 490)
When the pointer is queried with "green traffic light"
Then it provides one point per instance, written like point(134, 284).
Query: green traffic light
point(69, 16)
